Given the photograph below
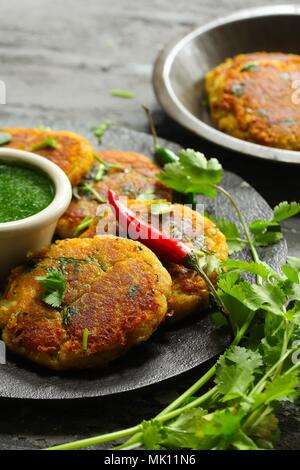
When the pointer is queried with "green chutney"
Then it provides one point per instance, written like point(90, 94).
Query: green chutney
point(24, 191)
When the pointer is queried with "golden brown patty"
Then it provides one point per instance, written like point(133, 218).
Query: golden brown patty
point(116, 289)
point(131, 175)
point(74, 154)
point(251, 96)
point(189, 292)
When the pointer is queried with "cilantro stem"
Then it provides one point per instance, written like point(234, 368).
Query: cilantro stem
point(244, 225)
point(88, 188)
point(91, 441)
point(164, 416)
point(127, 432)
point(151, 127)
point(199, 383)
point(198, 269)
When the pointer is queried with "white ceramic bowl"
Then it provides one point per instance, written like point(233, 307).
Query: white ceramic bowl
point(33, 233)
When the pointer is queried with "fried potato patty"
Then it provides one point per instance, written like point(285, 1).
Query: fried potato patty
point(116, 290)
point(189, 291)
point(74, 155)
point(253, 97)
point(128, 173)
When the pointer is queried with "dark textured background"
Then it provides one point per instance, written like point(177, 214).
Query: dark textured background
point(59, 60)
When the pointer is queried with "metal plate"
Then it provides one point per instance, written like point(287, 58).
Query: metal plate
point(181, 67)
point(171, 350)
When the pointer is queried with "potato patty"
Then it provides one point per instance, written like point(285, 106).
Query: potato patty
point(252, 97)
point(129, 174)
point(116, 289)
point(189, 291)
point(74, 155)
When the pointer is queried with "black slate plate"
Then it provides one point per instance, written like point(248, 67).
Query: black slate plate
point(172, 350)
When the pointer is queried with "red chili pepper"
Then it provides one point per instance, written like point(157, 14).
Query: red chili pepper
point(170, 249)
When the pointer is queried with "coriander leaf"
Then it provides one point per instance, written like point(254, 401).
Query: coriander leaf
point(222, 423)
point(291, 273)
point(268, 232)
point(227, 280)
point(282, 388)
point(254, 297)
point(212, 264)
point(193, 173)
point(173, 176)
point(181, 433)
point(268, 238)
point(5, 138)
point(233, 382)
point(285, 210)
point(235, 372)
point(219, 319)
point(292, 269)
point(259, 226)
point(48, 142)
point(267, 297)
point(249, 67)
point(54, 285)
point(231, 232)
point(152, 435)
point(100, 130)
point(259, 269)
point(245, 358)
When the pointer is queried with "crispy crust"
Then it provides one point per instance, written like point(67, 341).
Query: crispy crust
point(137, 176)
point(74, 155)
point(118, 291)
point(189, 291)
point(251, 97)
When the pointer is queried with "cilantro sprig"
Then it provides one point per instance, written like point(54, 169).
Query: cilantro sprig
point(100, 130)
point(54, 286)
point(49, 142)
point(260, 369)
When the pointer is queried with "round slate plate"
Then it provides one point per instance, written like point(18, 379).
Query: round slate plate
point(173, 349)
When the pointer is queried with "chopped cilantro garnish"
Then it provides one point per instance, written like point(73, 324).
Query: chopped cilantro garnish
point(249, 67)
point(122, 93)
point(100, 130)
point(84, 224)
point(54, 285)
point(48, 142)
point(85, 339)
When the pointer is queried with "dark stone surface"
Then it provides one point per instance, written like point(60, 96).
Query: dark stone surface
point(59, 60)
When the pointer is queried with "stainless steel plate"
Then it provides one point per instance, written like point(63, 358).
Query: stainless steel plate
point(180, 68)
